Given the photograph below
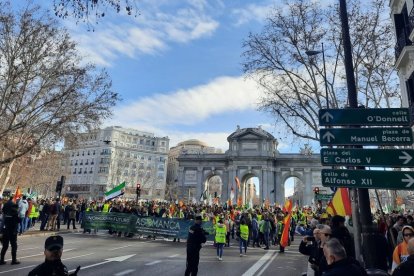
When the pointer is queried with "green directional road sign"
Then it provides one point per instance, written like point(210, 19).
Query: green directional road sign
point(323, 197)
point(366, 136)
point(399, 180)
point(366, 117)
point(368, 157)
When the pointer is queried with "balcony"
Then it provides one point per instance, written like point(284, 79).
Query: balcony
point(411, 23)
point(402, 41)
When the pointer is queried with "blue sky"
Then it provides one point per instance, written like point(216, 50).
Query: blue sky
point(177, 66)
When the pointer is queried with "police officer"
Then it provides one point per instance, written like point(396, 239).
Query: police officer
point(196, 236)
point(11, 222)
point(53, 264)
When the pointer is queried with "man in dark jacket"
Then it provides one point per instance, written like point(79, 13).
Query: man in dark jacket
point(196, 236)
point(338, 262)
point(53, 264)
point(407, 267)
point(340, 232)
point(11, 222)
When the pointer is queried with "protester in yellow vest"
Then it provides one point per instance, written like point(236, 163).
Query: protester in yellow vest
point(244, 235)
point(220, 238)
point(105, 208)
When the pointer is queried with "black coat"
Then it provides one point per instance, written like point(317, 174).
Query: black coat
point(345, 267)
point(50, 268)
point(196, 236)
point(406, 268)
point(10, 215)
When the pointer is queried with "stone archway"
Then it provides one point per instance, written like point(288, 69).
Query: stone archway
point(252, 153)
point(214, 185)
point(251, 188)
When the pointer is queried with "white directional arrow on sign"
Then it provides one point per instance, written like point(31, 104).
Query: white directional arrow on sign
point(409, 180)
point(406, 157)
point(327, 116)
point(328, 136)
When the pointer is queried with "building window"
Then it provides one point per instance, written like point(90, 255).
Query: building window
point(92, 162)
point(80, 171)
point(91, 170)
point(74, 171)
point(93, 153)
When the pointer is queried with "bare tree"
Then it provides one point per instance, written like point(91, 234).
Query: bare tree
point(46, 91)
point(293, 82)
point(83, 10)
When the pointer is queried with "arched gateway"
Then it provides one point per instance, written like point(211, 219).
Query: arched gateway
point(252, 153)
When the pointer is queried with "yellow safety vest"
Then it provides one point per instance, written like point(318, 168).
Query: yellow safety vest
point(33, 212)
point(105, 208)
point(221, 232)
point(244, 232)
point(259, 217)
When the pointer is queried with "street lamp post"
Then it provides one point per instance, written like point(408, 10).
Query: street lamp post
point(314, 53)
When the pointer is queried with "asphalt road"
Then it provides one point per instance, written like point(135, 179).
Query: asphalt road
point(105, 255)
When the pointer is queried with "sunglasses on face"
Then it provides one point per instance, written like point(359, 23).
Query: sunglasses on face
point(326, 234)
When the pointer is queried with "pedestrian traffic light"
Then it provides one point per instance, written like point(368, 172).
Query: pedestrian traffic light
point(138, 189)
point(58, 186)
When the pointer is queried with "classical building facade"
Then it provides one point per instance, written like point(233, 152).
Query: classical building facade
point(107, 157)
point(252, 153)
point(192, 146)
point(402, 14)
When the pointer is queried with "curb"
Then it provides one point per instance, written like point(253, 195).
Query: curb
point(39, 233)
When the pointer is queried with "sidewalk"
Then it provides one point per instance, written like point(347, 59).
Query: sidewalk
point(35, 231)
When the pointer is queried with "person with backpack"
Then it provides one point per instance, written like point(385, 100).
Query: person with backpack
point(400, 253)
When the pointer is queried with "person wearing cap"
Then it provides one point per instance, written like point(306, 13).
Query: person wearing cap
point(400, 253)
point(196, 236)
point(53, 264)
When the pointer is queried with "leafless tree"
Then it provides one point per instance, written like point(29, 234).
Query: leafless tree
point(46, 92)
point(293, 82)
point(86, 11)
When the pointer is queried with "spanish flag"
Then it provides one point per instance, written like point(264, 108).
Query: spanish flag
point(340, 203)
point(237, 182)
point(18, 194)
point(284, 240)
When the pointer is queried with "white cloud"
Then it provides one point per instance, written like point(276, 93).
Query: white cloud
point(253, 12)
point(191, 106)
point(150, 33)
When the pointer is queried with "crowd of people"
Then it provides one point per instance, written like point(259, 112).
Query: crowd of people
point(326, 240)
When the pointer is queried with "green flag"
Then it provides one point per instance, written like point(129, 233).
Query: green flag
point(117, 191)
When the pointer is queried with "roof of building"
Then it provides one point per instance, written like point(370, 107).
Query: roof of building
point(192, 142)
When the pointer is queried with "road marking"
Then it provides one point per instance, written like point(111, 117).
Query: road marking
point(267, 264)
point(153, 263)
point(173, 256)
point(118, 248)
point(253, 269)
point(75, 257)
point(124, 272)
point(24, 267)
point(116, 259)
point(40, 254)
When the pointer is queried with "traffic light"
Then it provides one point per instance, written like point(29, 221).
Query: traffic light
point(138, 189)
point(59, 184)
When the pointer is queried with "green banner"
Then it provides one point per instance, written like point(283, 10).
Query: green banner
point(164, 227)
